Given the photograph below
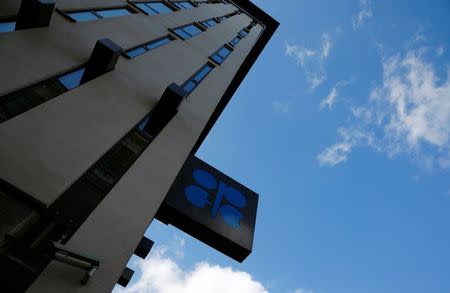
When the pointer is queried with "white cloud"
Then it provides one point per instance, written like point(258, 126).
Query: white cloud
point(339, 152)
point(419, 36)
point(161, 274)
point(329, 100)
point(409, 112)
point(300, 290)
point(334, 93)
point(364, 13)
point(335, 154)
point(312, 61)
point(327, 44)
point(440, 50)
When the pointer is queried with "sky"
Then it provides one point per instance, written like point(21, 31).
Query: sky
point(343, 128)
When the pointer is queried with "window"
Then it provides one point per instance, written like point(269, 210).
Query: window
point(235, 41)
point(221, 55)
point(72, 80)
point(97, 14)
point(113, 12)
point(22, 100)
point(148, 46)
point(154, 7)
point(184, 5)
point(209, 23)
point(7, 27)
point(243, 33)
point(197, 78)
point(16, 211)
point(188, 31)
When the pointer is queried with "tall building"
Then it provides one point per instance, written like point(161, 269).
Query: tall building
point(102, 103)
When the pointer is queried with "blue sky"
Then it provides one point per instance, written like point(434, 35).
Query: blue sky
point(343, 128)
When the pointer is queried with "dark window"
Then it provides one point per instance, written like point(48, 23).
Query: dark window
point(22, 100)
point(197, 78)
point(148, 46)
point(209, 23)
point(15, 211)
point(221, 55)
point(99, 13)
point(188, 31)
point(154, 7)
point(184, 5)
point(7, 27)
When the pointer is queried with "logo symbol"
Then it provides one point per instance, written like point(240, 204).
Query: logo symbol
point(198, 195)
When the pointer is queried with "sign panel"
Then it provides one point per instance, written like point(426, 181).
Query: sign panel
point(211, 207)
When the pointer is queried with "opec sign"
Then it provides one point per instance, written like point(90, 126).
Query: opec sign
point(211, 207)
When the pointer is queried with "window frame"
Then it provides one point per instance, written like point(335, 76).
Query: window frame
point(227, 46)
point(192, 77)
point(144, 46)
point(194, 5)
point(66, 13)
point(196, 24)
point(165, 2)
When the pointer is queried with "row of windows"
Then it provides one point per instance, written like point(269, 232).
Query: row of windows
point(149, 8)
point(97, 14)
point(185, 32)
point(219, 57)
point(22, 100)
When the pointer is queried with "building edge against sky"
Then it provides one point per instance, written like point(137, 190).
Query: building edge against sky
point(101, 104)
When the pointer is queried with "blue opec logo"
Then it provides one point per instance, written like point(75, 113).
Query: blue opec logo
point(199, 196)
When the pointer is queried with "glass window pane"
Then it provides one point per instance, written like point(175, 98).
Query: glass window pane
point(212, 22)
point(202, 73)
point(184, 5)
point(136, 52)
point(14, 213)
point(160, 7)
point(113, 12)
point(192, 30)
point(72, 80)
point(145, 8)
point(243, 33)
point(158, 43)
point(235, 41)
point(217, 58)
point(189, 86)
point(83, 16)
point(7, 27)
point(180, 32)
point(224, 52)
point(141, 126)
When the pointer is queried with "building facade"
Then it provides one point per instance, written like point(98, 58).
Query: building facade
point(101, 103)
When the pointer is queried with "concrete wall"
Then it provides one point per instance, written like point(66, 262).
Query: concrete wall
point(43, 151)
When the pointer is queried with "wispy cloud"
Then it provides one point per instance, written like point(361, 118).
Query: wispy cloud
point(312, 60)
point(329, 100)
point(363, 14)
point(409, 112)
point(300, 290)
point(339, 152)
point(161, 274)
point(440, 50)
